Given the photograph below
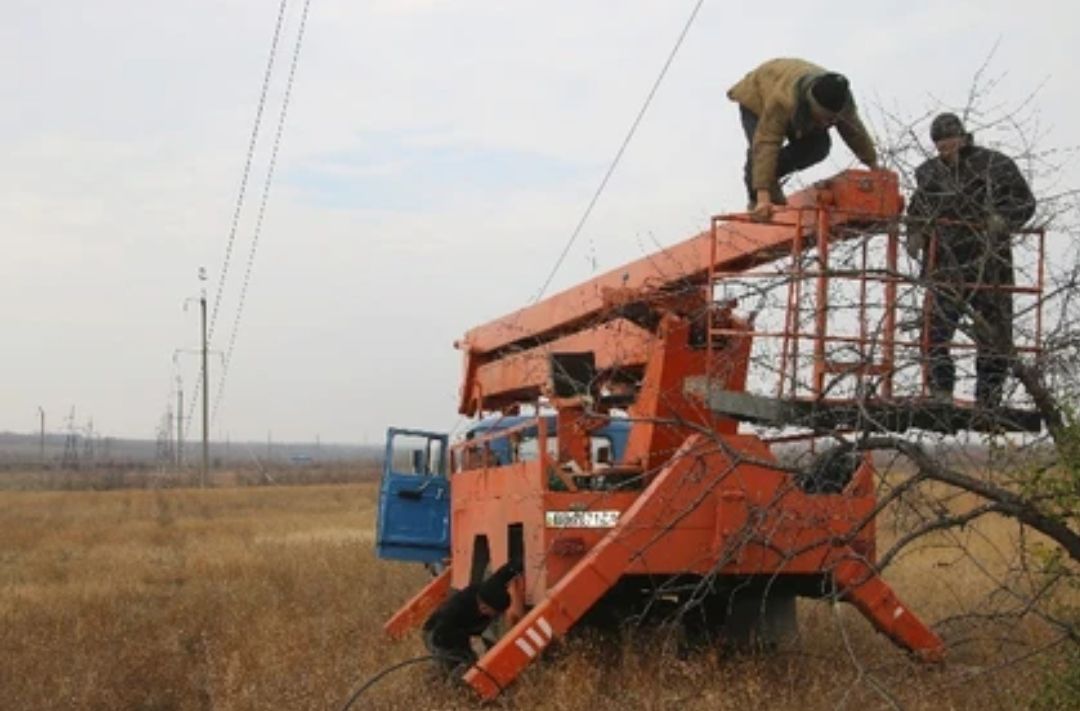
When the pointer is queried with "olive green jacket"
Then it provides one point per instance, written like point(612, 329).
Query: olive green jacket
point(777, 93)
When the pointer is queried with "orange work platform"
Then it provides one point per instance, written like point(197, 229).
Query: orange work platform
point(694, 513)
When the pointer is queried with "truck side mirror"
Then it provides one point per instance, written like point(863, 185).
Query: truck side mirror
point(419, 461)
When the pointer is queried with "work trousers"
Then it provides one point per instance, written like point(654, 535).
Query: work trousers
point(797, 153)
point(452, 660)
point(991, 312)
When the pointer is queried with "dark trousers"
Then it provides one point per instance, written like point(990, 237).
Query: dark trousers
point(452, 660)
point(796, 154)
point(992, 315)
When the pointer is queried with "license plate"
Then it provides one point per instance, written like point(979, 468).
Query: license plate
point(582, 519)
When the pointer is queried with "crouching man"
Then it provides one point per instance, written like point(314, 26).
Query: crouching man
point(467, 614)
point(787, 107)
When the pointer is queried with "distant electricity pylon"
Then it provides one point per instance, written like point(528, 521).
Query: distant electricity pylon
point(165, 450)
point(71, 443)
point(179, 392)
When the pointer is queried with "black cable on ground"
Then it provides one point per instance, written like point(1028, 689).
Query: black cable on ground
point(409, 662)
point(371, 682)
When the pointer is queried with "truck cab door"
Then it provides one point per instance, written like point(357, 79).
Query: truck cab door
point(414, 498)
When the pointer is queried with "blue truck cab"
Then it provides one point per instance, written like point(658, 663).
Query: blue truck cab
point(414, 493)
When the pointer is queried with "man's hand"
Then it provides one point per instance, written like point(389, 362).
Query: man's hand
point(915, 243)
point(763, 209)
point(996, 224)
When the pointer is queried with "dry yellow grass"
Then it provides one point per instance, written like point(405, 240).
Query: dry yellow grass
point(271, 598)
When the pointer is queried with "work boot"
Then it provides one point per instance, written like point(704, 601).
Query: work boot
point(940, 396)
point(776, 194)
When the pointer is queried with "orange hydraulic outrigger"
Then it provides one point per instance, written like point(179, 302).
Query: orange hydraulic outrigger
point(693, 507)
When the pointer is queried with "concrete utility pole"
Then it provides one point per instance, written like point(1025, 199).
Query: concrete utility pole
point(204, 351)
point(179, 421)
point(205, 387)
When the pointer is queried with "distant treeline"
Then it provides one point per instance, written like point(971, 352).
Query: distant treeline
point(81, 451)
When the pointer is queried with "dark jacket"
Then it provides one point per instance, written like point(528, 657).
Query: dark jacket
point(966, 206)
point(776, 92)
point(456, 620)
point(459, 617)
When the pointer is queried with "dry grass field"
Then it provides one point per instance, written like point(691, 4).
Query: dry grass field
point(272, 598)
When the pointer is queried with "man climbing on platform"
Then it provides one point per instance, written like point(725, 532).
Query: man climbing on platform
point(798, 102)
point(466, 614)
point(968, 201)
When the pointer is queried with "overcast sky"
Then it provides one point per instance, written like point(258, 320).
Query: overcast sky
point(436, 158)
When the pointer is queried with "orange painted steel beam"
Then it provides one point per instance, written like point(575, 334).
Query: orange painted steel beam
point(522, 376)
point(860, 585)
point(856, 198)
point(415, 611)
point(821, 306)
point(662, 405)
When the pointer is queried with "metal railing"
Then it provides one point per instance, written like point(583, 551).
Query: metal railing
point(809, 277)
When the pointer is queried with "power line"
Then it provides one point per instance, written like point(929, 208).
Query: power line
point(614, 163)
point(622, 149)
point(247, 167)
point(262, 206)
point(242, 193)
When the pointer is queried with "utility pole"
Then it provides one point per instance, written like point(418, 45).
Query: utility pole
point(166, 455)
point(203, 352)
point(179, 421)
point(41, 441)
point(205, 386)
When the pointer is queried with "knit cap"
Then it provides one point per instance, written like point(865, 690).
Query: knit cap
point(946, 125)
point(831, 91)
